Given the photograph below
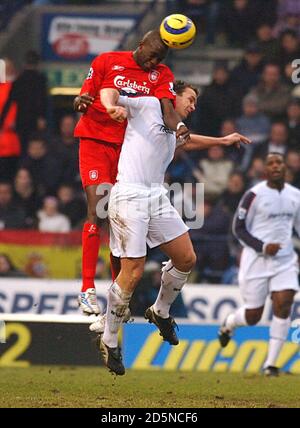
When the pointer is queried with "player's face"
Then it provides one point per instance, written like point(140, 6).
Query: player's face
point(148, 56)
point(186, 103)
point(275, 168)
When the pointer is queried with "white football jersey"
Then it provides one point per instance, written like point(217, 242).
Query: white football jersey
point(266, 215)
point(148, 146)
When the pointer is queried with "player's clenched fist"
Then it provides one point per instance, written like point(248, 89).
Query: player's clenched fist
point(82, 102)
point(117, 113)
point(272, 249)
point(182, 133)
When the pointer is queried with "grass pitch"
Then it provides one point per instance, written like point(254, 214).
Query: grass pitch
point(95, 387)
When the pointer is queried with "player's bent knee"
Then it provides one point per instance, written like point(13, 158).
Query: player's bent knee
point(253, 316)
point(185, 262)
point(190, 261)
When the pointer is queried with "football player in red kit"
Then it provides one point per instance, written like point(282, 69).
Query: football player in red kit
point(101, 134)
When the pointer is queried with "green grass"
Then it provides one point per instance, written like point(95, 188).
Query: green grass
point(95, 387)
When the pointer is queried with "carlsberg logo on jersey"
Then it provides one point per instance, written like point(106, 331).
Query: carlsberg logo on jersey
point(134, 87)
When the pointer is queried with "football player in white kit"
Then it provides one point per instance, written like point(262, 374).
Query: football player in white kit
point(264, 224)
point(140, 213)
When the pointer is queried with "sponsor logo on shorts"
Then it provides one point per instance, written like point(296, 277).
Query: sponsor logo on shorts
point(124, 83)
point(92, 229)
point(93, 174)
point(153, 76)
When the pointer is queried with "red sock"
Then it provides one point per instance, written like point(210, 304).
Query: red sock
point(90, 250)
point(115, 266)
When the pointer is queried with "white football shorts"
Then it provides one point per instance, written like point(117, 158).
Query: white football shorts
point(261, 275)
point(138, 216)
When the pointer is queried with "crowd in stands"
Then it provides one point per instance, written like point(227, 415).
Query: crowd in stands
point(39, 180)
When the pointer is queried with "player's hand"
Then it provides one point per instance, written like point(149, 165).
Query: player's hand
point(236, 139)
point(183, 134)
point(82, 102)
point(272, 249)
point(117, 113)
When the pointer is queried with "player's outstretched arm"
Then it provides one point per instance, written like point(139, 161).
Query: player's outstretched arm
point(109, 99)
point(201, 142)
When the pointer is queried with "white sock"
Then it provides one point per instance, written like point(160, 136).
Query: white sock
point(117, 303)
point(236, 319)
point(172, 281)
point(279, 330)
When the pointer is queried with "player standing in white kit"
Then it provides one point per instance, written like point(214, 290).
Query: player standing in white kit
point(264, 225)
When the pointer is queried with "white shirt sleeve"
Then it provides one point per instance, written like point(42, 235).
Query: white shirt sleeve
point(132, 104)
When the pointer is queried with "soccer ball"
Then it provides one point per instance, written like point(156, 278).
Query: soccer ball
point(177, 31)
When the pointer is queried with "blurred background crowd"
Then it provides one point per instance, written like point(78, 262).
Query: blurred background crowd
point(258, 96)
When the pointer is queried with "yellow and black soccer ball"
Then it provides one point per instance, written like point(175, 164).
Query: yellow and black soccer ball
point(177, 31)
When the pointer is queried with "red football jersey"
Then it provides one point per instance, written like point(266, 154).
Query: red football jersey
point(119, 70)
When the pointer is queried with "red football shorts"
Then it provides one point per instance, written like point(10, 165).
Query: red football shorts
point(98, 161)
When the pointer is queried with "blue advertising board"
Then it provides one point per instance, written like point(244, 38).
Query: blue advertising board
point(199, 349)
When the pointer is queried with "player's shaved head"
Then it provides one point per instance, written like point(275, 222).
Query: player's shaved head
point(153, 39)
point(151, 51)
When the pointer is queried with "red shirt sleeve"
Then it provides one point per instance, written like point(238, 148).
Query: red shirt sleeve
point(164, 88)
point(95, 77)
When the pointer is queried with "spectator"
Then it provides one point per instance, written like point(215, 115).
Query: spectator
point(254, 125)
point(214, 171)
point(11, 215)
point(220, 100)
point(65, 147)
point(229, 127)
point(238, 20)
point(46, 170)
point(272, 95)
point(231, 197)
point(10, 147)
point(26, 196)
point(70, 205)
point(267, 43)
point(256, 172)
point(246, 74)
point(293, 123)
point(35, 266)
point(7, 268)
point(180, 169)
point(210, 243)
point(29, 92)
point(278, 142)
point(293, 164)
point(289, 48)
point(288, 16)
point(50, 220)
point(207, 9)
